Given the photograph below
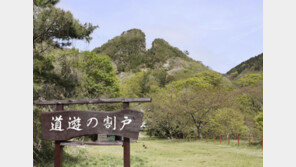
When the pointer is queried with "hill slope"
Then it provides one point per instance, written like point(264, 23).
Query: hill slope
point(250, 66)
point(128, 52)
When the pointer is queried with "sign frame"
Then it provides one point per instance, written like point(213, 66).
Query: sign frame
point(64, 125)
point(59, 144)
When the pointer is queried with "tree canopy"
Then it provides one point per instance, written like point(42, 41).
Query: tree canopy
point(55, 26)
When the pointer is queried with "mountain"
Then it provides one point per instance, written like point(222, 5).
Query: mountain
point(161, 51)
point(250, 66)
point(128, 52)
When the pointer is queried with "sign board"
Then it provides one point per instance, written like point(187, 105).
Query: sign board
point(64, 125)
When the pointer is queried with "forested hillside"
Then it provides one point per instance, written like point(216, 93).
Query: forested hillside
point(155, 67)
point(187, 97)
point(128, 51)
point(252, 65)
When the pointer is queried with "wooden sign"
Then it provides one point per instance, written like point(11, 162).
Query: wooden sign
point(64, 125)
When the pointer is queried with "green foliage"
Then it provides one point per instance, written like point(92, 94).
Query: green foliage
point(160, 52)
point(249, 80)
point(198, 105)
point(203, 104)
point(63, 77)
point(253, 64)
point(189, 68)
point(56, 26)
point(188, 101)
point(137, 86)
point(185, 110)
point(206, 79)
point(42, 150)
point(125, 50)
point(182, 107)
point(72, 75)
point(42, 67)
point(100, 78)
point(162, 77)
point(45, 3)
point(259, 121)
point(61, 73)
point(163, 118)
point(210, 77)
point(128, 52)
point(227, 121)
point(247, 104)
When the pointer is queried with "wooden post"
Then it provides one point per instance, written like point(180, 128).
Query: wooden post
point(58, 154)
point(58, 148)
point(126, 152)
point(249, 140)
point(126, 145)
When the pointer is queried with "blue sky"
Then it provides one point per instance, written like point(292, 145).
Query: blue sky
point(219, 33)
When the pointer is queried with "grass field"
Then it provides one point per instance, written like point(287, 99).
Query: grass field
point(166, 153)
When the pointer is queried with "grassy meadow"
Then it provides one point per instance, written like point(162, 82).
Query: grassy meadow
point(167, 153)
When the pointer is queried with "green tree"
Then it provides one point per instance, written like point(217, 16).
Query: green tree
point(55, 75)
point(259, 121)
point(249, 101)
point(162, 116)
point(198, 104)
point(55, 26)
point(161, 51)
point(249, 80)
point(254, 64)
point(138, 85)
point(206, 79)
point(126, 50)
point(162, 77)
point(227, 121)
point(100, 78)
point(42, 150)
point(190, 100)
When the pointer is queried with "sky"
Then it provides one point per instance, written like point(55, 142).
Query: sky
point(220, 34)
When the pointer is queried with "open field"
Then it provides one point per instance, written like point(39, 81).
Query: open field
point(166, 153)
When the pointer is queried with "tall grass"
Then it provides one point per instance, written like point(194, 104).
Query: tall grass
point(153, 152)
